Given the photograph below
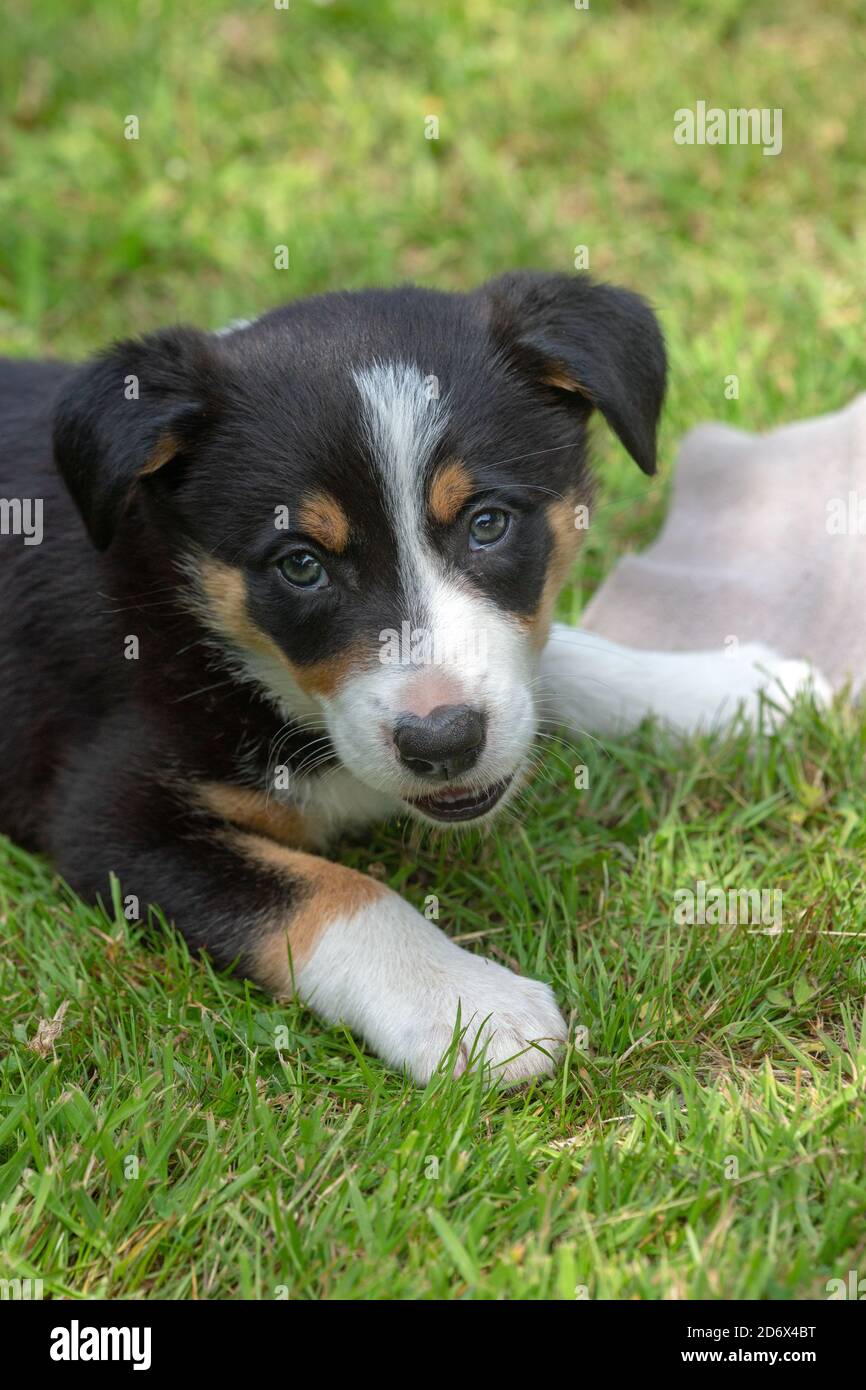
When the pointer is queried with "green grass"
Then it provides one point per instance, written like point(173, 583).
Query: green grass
point(706, 1136)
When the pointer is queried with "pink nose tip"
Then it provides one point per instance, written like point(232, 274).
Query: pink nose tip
point(429, 689)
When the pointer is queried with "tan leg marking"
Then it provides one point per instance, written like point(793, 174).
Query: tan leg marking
point(257, 812)
point(323, 519)
point(225, 610)
point(334, 891)
point(450, 490)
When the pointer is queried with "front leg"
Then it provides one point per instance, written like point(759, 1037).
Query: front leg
point(297, 924)
point(357, 953)
point(591, 685)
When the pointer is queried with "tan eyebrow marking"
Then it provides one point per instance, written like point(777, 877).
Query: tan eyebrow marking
point(322, 517)
point(450, 490)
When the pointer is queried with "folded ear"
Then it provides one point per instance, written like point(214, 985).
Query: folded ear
point(125, 415)
point(599, 343)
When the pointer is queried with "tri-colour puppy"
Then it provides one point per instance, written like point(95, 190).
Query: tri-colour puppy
point(298, 576)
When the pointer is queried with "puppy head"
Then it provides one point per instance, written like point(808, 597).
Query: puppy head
point(374, 498)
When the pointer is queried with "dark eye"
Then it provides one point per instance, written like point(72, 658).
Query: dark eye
point(303, 570)
point(488, 527)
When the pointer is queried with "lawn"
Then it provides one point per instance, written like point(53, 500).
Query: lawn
point(184, 1137)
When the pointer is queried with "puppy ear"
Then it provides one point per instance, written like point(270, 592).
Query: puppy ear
point(125, 415)
point(601, 344)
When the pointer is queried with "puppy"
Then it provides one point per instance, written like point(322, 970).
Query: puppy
point(297, 577)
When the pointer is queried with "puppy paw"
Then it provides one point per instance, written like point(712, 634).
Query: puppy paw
point(753, 679)
point(399, 982)
point(510, 1027)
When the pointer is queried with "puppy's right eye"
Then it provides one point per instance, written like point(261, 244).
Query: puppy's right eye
point(303, 571)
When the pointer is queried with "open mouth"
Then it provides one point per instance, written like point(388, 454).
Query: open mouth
point(459, 803)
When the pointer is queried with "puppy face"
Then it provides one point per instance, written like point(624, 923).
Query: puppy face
point(373, 500)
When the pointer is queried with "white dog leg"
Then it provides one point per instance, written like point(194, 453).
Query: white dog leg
point(595, 686)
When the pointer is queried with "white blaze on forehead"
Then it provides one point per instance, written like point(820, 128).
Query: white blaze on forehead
point(462, 634)
point(461, 647)
point(403, 423)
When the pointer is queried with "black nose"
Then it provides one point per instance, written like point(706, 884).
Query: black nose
point(443, 743)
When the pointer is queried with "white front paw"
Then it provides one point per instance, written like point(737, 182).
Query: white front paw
point(508, 1025)
point(398, 981)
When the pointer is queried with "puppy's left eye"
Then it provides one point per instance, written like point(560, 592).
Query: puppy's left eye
point(488, 527)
